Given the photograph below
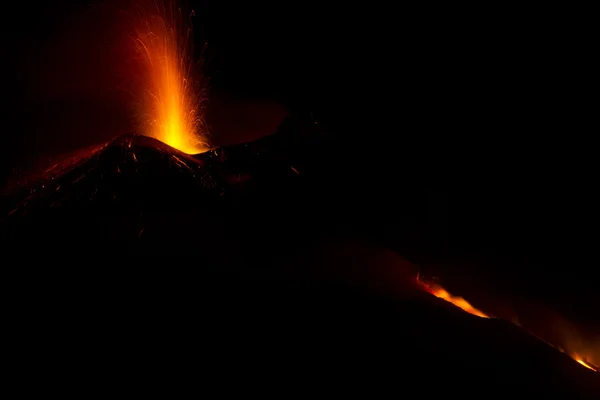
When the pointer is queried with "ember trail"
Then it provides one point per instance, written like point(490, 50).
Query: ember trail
point(168, 92)
point(461, 303)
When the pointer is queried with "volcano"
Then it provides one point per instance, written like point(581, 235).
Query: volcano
point(315, 302)
point(126, 188)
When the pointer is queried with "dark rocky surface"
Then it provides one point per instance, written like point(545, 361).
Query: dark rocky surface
point(248, 267)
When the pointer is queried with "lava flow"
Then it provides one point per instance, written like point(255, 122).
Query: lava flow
point(461, 303)
point(169, 95)
point(585, 364)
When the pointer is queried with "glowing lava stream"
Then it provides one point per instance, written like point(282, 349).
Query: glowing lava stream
point(580, 361)
point(169, 95)
point(461, 303)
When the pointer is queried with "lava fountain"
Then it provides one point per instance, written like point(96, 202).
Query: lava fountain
point(169, 92)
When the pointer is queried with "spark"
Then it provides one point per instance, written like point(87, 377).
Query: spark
point(169, 94)
point(78, 179)
point(182, 163)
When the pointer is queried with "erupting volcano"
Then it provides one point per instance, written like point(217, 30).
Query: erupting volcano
point(307, 234)
point(168, 92)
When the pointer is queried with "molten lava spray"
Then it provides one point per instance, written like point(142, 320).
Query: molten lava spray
point(169, 95)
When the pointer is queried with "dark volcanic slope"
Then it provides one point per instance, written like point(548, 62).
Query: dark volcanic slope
point(140, 190)
point(281, 336)
point(266, 209)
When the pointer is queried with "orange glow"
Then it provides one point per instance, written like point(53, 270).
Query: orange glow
point(459, 302)
point(580, 361)
point(170, 96)
point(441, 293)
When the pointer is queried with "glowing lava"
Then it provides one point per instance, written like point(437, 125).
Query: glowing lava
point(580, 361)
point(459, 302)
point(169, 95)
point(441, 293)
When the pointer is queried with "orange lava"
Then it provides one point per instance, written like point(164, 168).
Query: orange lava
point(459, 302)
point(580, 361)
point(441, 293)
point(169, 94)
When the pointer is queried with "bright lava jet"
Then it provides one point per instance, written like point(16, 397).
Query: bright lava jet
point(169, 93)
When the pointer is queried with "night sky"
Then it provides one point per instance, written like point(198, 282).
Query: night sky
point(469, 125)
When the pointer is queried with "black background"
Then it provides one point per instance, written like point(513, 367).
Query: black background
point(468, 128)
